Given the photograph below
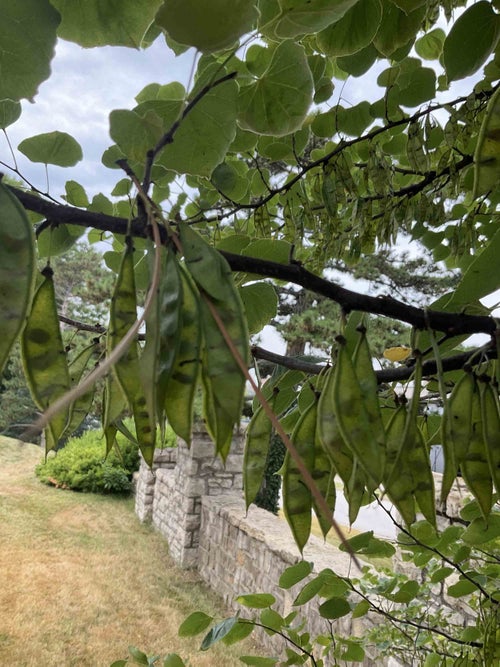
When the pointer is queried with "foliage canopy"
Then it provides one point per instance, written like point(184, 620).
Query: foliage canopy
point(282, 176)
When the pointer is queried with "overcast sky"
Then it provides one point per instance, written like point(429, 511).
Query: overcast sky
point(86, 84)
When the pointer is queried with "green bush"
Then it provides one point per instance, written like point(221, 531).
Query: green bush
point(81, 465)
point(269, 493)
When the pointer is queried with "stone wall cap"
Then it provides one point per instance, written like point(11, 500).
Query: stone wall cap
point(266, 527)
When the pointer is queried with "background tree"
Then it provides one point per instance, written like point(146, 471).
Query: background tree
point(82, 292)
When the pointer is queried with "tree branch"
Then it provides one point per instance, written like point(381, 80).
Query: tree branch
point(452, 324)
point(452, 363)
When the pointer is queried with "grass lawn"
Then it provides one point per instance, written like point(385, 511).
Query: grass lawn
point(81, 578)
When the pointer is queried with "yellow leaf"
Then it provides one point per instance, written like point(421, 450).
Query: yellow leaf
point(399, 353)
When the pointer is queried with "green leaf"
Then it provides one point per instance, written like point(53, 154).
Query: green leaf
point(405, 593)
point(134, 134)
point(366, 543)
point(430, 46)
point(231, 180)
point(110, 157)
point(261, 303)
point(270, 249)
point(278, 102)
point(205, 134)
point(194, 624)
point(241, 630)
point(10, 111)
point(311, 589)
point(56, 240)
point(139, 656)
point(354, 652)
point(57, 148)
point(397, 28)
point(482, 530)
point(106, 22)
point(361, 609)
point(441, 574)
point(359, 63)
point(75, 194)
point(355, 120)
point(272, 619)
point(173, 660)
point(256, 600)
point(218, 632)
point(27, 42)
point(421, 88)
point(300, 18)
point(208, 26)
point(334, 608)
point(471, 40)
point(295, 573)
point(478, 280)
point(461, 588)
point(355, 30)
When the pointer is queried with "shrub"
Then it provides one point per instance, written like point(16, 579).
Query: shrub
point(81, 465)
point(268, 497)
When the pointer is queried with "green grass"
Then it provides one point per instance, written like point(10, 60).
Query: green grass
point(82, 578)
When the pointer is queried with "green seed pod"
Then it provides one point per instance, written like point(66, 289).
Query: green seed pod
point(323, 474)
point(475, 467)
point(297, 499)
point(456, 429)
point(221, 310)
point(363, 366)
point(122, 317)
point(423, 480)
point(17, 269)
point(398, 482)
point(352, 416)
point(356, 493)
point(80, 408)
point(181, 385)
point(114, 405)
point(258, 437)
point(328, 432)
point(44, 356)
point(490, 413)
point(170, 324)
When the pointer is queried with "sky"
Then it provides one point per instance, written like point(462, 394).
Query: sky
point(85, 85)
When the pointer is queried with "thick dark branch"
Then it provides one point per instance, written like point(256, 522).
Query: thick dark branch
point(453, 324)
point(77, 216)
point(453, 363)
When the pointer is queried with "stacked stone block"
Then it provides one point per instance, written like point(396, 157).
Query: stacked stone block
point(145, 481)
point(172, 494)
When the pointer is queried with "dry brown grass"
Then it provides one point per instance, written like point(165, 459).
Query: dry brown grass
point(81, 578)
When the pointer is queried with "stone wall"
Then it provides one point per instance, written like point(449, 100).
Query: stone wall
point(196, 502)
point(246, 552)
